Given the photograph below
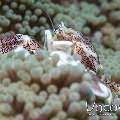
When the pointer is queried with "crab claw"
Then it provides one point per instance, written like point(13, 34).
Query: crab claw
point(100, 90)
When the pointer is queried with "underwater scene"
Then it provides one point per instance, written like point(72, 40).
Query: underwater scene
point(59, 59)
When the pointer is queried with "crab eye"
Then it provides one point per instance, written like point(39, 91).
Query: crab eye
point(31, 52)
point(19, 36)
point(60, 31)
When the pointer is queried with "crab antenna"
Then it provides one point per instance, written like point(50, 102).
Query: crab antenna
point(50, 20)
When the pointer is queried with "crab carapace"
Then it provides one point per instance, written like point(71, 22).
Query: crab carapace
point(81, 45)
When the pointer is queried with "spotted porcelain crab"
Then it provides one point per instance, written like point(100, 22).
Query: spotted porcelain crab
point(66, 41)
